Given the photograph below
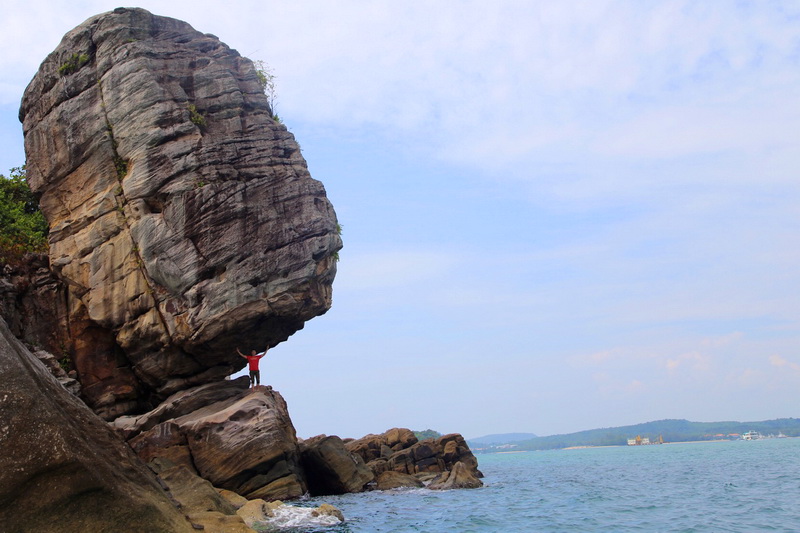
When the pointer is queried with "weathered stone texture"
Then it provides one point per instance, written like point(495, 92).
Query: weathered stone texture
point(399, 450)
point(183, 217)
point(245, 442)
point(33, 303)
point(459, 477)
point(61, 467)
point(331, 469)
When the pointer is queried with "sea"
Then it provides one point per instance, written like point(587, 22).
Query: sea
point(733, 486)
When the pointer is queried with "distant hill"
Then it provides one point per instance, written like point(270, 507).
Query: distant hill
point(500, 438)
point(670, 430)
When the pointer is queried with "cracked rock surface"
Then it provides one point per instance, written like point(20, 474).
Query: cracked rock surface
point(183, 218)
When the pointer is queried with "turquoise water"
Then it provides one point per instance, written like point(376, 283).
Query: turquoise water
point(692, 487)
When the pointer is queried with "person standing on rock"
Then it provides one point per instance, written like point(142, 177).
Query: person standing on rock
point(252, 361)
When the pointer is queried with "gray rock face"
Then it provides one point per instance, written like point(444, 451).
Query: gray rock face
point(183, 217)
point(61, 467)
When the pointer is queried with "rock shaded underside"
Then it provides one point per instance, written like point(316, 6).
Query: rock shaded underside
point(183, 219)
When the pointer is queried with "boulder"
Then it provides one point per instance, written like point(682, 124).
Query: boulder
point(372, 447)
point(399, 450)
point(327, 509)
point(63, 468)
point(460, 477)
point(331, 469)
point(183, 219)
point(394, 480)
point(255, 512)
point(245, 443)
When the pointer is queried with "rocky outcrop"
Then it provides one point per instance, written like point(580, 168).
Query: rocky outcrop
point(245, 442)
point(61, 467)
point(183, 219)
point(459, 477)
point(399, 450)
point(331, 469)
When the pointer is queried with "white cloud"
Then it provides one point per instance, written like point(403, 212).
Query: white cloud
point(780, 362)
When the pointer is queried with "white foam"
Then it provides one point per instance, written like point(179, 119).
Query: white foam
point(291, 516)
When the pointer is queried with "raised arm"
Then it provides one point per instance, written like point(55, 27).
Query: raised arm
point(240, 353)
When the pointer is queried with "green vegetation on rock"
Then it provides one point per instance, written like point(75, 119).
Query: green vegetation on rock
point(195, 116)
point(427, 434)
point(670, 430)
point(266, 78)
point(75, 62)
point(23, 228)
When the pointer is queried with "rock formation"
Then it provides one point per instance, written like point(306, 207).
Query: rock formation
point(237, 439)
point(459, 477)
point(61, 467)
point(183, 224)
point(394, 480)
point(331, 469)
point(398, 450)
point(33, 302)
point(183, 219)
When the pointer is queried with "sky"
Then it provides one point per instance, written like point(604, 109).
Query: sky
point(557, 216)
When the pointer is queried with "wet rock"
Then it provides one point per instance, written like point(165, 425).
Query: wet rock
point(394, 480)
point(255, 512)
point(327, 509)
point(460, 477)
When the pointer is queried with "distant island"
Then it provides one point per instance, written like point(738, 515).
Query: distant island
point(669, 430)
point(500, 439)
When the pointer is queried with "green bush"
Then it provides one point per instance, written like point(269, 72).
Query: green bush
point(75, 62)
point(195, 116)
point(23, 228)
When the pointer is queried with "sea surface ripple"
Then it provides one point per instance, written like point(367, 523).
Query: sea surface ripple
point(736, 486)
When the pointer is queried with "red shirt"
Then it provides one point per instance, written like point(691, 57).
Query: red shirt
point(253, 361)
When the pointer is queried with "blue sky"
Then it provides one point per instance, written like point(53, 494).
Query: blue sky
point(557, 215)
